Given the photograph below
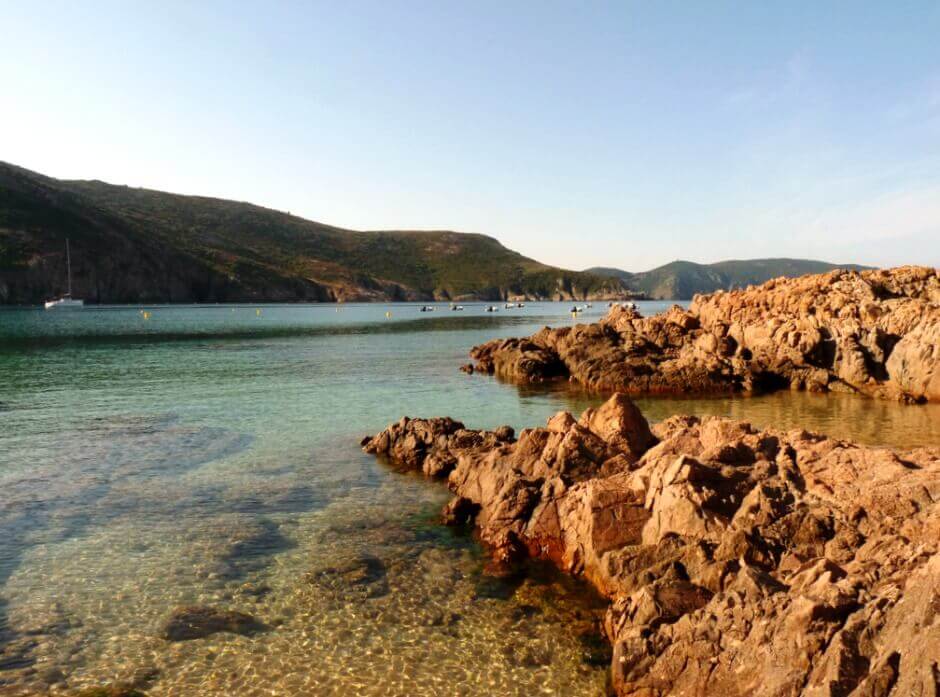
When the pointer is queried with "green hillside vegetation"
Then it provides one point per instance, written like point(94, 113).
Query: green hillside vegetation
point(139, 245)
point(611, 272)
point(680, 280)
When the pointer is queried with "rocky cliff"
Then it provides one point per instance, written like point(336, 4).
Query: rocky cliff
point(738, 562)
point(871, 332)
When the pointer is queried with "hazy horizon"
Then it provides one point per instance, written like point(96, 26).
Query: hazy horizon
point(606, 135)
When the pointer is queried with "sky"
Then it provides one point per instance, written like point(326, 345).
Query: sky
point(581, 134)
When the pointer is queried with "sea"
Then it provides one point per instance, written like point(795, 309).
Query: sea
point(163, 457)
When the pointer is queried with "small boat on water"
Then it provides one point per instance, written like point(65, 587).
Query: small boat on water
point(520, 304)
point(427, 308)
point(508, 306)
point(66, 302)
point(456, 308)
point(492, 308)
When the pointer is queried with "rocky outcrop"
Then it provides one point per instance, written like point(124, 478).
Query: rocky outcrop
point(737, 561)
point(872, 332)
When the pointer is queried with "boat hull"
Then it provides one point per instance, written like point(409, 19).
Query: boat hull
point(65, 304)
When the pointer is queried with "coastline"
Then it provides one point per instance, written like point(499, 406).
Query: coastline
point(737, 561)
point(469, 300)
point(873, 333)
point(211, 366)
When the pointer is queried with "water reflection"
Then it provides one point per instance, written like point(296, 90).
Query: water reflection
point(868, 421)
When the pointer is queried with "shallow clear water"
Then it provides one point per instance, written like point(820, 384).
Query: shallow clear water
point(210, 456)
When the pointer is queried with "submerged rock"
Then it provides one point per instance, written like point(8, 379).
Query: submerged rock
point(358, 577)
point(737, 561)
point(196, 622)
point(115, 690)
point(872, 332)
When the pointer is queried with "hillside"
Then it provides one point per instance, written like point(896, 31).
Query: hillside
point(137, 245)
point(680, 280)
point(611, 272)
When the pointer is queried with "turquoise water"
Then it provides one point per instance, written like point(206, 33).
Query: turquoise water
point(209, 455)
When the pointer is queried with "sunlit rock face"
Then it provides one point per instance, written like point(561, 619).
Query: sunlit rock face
point(737, 561)
point(872, 332)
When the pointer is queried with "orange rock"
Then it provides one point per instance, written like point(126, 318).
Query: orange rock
point(737, 561)
point(872, 332)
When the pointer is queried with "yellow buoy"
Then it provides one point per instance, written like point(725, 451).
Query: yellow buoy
point(388, 315)
point(258, 313)
point(146, 314)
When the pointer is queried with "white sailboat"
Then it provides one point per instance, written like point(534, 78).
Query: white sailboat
point(66, 302)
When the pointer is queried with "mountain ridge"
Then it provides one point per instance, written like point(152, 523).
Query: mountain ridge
point(681, 280)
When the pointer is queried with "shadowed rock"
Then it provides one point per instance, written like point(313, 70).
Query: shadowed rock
point(358, 577)
point(195, 622)
point(115, 690)
point(872, 332)
point(737, 561)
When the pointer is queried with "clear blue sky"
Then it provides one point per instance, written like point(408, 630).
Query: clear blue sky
point(580, 134)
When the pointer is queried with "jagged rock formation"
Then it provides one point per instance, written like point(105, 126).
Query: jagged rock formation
point(738, 562)
point(871, 332)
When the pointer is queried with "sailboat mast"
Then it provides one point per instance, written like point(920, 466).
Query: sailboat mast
point(68, 262)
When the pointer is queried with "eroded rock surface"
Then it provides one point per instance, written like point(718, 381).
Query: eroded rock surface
point(737, 561)
point(872, 332)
